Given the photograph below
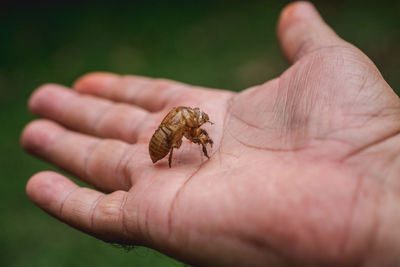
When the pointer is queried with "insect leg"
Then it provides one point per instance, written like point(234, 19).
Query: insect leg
point(207, 138)
point(205, 150)
point(170, 157)
point(178, 143)
point(204, 137)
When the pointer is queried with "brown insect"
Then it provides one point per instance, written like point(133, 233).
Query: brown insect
point(179, 122)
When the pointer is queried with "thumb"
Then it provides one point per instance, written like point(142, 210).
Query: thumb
point(301, 30)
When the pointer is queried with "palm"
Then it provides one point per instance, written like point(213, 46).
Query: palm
point(290, 178)
point(293, 143)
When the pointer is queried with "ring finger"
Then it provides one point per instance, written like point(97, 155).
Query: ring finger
point(104, 163)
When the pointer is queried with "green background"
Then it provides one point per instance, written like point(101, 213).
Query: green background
point(224, 44)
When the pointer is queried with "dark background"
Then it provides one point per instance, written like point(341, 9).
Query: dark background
point(224, 44)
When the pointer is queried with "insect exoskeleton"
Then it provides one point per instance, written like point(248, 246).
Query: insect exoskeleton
point(179, 122)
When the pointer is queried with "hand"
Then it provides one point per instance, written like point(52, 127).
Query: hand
point(304, 169)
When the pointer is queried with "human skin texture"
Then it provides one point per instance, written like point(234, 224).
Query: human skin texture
point(304, 169)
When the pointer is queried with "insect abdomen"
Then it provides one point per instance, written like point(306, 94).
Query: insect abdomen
point(160, 143)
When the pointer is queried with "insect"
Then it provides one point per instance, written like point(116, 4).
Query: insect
point(179, 122)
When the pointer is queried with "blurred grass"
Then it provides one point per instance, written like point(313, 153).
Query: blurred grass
point(222, 44)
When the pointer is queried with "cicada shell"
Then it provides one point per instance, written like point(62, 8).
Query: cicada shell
point(179, 122)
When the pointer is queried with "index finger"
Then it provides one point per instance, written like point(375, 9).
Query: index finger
point(88, 210)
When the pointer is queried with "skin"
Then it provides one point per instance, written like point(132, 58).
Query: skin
point(304, 170)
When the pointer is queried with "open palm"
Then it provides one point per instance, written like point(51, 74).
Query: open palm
point(303, 169)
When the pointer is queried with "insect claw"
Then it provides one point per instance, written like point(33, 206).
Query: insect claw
point(211, 142)
point(205, 151)
point(170, 157)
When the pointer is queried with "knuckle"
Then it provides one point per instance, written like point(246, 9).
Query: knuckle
point(107, 216)
point(109, 207)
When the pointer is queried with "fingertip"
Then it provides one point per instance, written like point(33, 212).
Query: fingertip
point(40, 182)
point(95, 82)
point(295, 12)
point(48, 98)
point(37, 135)
point(299, 10)
point(37, 97)
point(48, 190)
